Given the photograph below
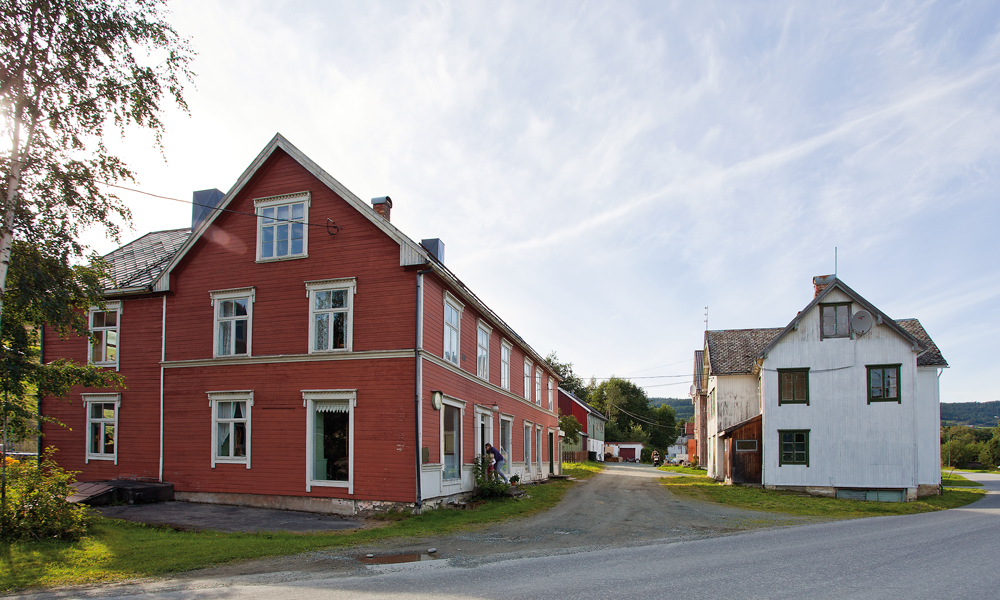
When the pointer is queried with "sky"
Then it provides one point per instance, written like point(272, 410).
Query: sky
point(601, 173)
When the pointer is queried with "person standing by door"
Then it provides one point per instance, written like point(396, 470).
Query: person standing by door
point(498, 457)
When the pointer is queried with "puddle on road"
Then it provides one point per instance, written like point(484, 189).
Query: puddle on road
point(393, 559)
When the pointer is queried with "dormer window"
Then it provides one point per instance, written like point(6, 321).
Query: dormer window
point(835, 320)
point(282, 231)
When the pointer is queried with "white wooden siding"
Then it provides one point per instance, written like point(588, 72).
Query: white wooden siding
point(851, 443)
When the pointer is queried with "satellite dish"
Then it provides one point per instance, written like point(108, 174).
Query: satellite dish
point(694, 390)
point(862, 322)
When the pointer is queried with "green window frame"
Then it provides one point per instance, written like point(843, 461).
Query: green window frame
point(793, 386)
point(793, 447)
point(835, 320)
point(883, 384)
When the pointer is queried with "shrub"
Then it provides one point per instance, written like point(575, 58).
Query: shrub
point(36, 502)
point(488, 485)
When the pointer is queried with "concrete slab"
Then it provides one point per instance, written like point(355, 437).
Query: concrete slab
point(188, 515)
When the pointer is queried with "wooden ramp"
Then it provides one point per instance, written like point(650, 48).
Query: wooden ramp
point(99, 493)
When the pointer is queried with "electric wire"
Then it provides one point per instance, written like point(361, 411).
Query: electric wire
point(210, 206)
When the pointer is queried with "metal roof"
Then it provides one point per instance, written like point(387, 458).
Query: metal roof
point(136, 265)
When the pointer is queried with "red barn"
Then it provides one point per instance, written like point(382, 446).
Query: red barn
point(296, 350)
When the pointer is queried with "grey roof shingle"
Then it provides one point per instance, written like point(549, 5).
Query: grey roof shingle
point(732, 351)
point(139, 263)
point(932, 357)
point(699, 360)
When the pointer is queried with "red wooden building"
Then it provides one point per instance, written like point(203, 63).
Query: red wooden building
point(296, 350)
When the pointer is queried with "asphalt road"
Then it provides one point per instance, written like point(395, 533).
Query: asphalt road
point(949, 554)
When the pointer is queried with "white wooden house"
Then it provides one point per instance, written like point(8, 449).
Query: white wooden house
point(843, 401)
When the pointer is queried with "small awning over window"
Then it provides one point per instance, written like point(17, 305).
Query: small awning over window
point(325, 407)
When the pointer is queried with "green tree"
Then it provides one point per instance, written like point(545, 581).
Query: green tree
point(69, 70)
point(570, 381)
point(664, 432)
point(572, 427)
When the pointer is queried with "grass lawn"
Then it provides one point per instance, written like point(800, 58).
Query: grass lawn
point(117, 550)
point(683, 470)
point(796, 503)
point(951, 479)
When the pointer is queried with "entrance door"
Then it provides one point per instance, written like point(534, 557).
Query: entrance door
point(552, 455)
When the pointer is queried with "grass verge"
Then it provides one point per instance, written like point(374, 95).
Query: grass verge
point(118, 550)
point(582, 470)
point(796, 503)
point(950, 479)
point(683, 470)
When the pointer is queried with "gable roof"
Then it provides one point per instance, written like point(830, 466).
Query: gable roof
point(410, 252)
point(587, 407)
point(136, 265)
point(733, 351)
point(880, 317)
point(932, 356)
point(699, 363)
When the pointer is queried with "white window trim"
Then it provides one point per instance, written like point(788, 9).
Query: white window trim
point(538, 386)
point(460, 405)
point(480, 412)
point(345, 283)
point(528, 366)
point(539, 437)
point(261, 203)
point(309, 400)
point(114, 305)
point(505, 345)
point(530, 426)
point(449, 299)
point(552, 392)
point(247, 292)
point(483, 327)
point(89, 399)
point(508, 458)
point(230, 396)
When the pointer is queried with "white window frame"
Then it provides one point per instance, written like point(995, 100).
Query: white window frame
point(349, 284)
point(483, 352)
point(274, 202)
point(458, 307)
point(507, 420)
point(539, 438)
point(310, 398)
point(460, 432)
point(552, 391)
point(250, 293)
point(506, 348)
point(108, 306)
point(88, 400)
point(538, 386)
point(214, 398)
point(527, 379)
point(528, 427)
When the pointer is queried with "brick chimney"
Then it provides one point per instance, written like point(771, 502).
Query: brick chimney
point(382, 205)
point(821, 281)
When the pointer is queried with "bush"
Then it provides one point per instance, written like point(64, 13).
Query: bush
point(487, 485)
point(36, 502)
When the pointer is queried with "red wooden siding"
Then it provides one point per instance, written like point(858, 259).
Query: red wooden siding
point(225, 258)
point(139, 415)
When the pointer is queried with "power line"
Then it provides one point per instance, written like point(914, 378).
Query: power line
point(328, 225)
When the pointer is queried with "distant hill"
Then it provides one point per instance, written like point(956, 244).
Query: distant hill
point(973, 414)
point(683, 407)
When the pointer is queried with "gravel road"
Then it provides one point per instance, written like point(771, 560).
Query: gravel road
point(626, 505)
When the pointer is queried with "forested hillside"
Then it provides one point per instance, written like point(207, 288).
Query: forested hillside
point(973, 414)
point(683, 408)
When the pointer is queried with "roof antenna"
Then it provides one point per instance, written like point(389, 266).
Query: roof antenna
point(706, 318)
point(834, 261)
